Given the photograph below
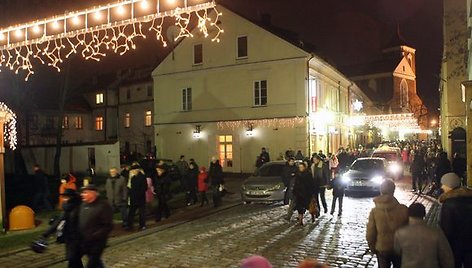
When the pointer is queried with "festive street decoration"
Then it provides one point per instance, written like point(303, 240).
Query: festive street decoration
point(393, 122)
point(94, 32)
point(9, 129)
point(259, 123)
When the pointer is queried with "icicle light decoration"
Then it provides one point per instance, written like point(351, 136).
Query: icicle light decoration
point(96, 31)
point(9, 129)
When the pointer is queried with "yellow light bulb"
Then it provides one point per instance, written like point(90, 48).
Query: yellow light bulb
point(97, 15)
point(18, 33)
point(120, 10)
point(36, 29)
point(2, 36)
point(55, 24)
point(171, 2)
point(76, 20)
point(144, 4)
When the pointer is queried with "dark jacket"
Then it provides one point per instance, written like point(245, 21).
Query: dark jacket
point(117, 191)
point(303, 189)
point(95, 223)
point(288, 174)
point(418, 165)
point(459, 166)
point(443, 167)
point(162, 185)
point(265, 157)
point(137, 187)
point(192, 178)
point(321, 174)
point(216, 173)
point(70, 216)
point(338, 186)
point(456, 219)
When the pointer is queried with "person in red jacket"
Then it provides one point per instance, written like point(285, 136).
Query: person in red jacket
point(203, 182)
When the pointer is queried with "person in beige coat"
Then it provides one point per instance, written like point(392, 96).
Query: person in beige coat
point(385, 219)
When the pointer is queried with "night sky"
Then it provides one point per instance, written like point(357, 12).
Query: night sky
point(344, 32)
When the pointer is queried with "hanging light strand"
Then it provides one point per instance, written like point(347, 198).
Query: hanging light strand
point(9, 128)
point(93, 43)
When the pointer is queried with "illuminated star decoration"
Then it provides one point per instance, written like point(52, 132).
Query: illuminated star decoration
point(357, 105)
point(9, 128)
point(94, 32)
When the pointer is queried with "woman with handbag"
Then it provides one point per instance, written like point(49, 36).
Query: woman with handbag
point(303, 191)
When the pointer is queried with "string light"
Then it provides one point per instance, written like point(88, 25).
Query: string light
point(10, 134)
point(94, 43)
point(144, 4)
point(261, 123)
point(120, 10)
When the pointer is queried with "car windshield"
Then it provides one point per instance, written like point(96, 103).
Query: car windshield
point(388, 156)
point(270, 171)
point(368, 164)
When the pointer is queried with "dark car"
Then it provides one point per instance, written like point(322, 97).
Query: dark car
point(265, 185)
point(365, 175)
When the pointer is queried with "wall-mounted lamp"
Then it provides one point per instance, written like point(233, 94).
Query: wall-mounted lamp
point(249, 130)
point(197, 132)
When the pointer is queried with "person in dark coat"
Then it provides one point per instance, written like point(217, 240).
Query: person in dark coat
point(456, 218)
point(288, 178)
point(417, 169)
point(339, 188)
point(265, 157)
point(162, 182)
point(95, 224)
point(117, 194)
point(459, 166)
point(443, 166)
point(216, 179)
point(343, 159)
point(41, 190)
point(303, 190)
point(137, 187)
point(191, 184)
point(322, 177)
point(70, 227)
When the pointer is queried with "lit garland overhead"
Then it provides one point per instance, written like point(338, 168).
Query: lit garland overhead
point(94, 32)
point(9, 129)
point(393, 121)
point(266, 123)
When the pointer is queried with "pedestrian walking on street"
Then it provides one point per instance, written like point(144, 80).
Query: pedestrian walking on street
point(203, 182)
point(288, 177)
point(456, 218)
point(417, 169)
point(95, 224)
point(385, 219)
point(216, 178)
point(67, 225)
point(117, 194)
point(41, 190)
point(443, 166)
point(322, 177)
point(191, 184)
point(182, 167)
point(137, 187)
point(339, 188)
point(420, 245)
point(303, 191)
point(162, 189)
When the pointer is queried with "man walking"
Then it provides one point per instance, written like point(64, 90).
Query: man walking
point(385, 219)
point(456, 218)
point(137, 187)
point(420, 245)
point(322, 177)
point(182, 167)
point(95, 223)
point(117, 194)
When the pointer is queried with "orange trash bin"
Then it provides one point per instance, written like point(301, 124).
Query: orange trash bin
point(21, 218)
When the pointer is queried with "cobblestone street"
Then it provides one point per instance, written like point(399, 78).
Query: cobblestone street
point(224, 238)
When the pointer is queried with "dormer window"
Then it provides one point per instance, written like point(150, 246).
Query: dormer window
point(99, 98)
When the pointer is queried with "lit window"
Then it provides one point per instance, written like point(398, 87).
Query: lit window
point(242, 47)
point(99, 123)
point(78, 122)
point(148, 118)
point(225, 150)
point(99, 98)
point(260, 93)
point(65, 122)
point(186, 99)
point(127, 120)
point(198, 54)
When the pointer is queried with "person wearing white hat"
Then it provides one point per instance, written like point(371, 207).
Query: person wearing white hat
point(456, 218)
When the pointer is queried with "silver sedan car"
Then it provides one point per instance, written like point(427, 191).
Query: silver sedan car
point(265, 185)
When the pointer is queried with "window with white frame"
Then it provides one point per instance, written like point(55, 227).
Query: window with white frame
point(127, 118)
point(260, 93)
point(242, 47)
point(148, 118)
point(197, 54)
point(78, 122)
point(187, 99)
point(99, 98)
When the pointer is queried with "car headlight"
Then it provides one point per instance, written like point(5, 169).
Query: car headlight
point(377, 179)
point(345, 178)
point(276, 187)
point(394, 168)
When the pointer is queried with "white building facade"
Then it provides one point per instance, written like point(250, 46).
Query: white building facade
point(251, 90)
